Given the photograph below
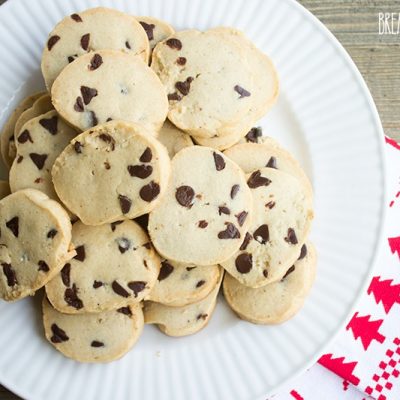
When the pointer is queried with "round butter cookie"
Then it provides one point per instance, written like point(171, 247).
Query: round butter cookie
point(276, 302)
point(93, 338)
point(110, 85)
point(156, 29)
point(183, 321)
point(204, 215)
point(264, 151)
point(41, 106)
point(180, 284)
point(88, 31)
point(280, 225)
point(34, 244)
point(114, 171)
point(7, 134)
point(39, 142)
point(173, 138)
point(208, 80)
point(115, 265)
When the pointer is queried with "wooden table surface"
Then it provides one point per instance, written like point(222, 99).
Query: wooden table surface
point(355, 24)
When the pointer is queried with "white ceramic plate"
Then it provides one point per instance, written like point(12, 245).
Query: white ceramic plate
point(325, 115)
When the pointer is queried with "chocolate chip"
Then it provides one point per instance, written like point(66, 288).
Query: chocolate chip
point(105, 137)
point(38, 159)
point(66, 274)
point(256, 180)
point(19, 159)
point(43, 266)
point(80, 253)
point(71, 297)
point(78, 106)
point(246, 241)
point(253, 134)
point(85, 41)
point(109, 119)
point(125, 310)
point(224, 210)
point(291, 236)
point(184, 86)
point(93, 119)
point(231, 232)
point(127, 45)
point(261, 234)
point(96, 343)
point(76, 18)
point(50, 124)
point(88, 94)
point(150, 191)
point(137, 287)
point(147, 245)
point(234, 191)
point(289, 271)
point(244, 263)
point(13, 226)
point(218, 161)
point(181, 60)
point(303, 252)
point(140, 171)
point(38, 180)
point(174, 96)
point(184, 196)
point(270, 204)
point(72, 58)
point(272, 163)
point(190, 268)
point(125, 203)
point(123, 245)
point(95, 62)
point(97, 284)
point(118, 289)
point(241, 217)
point(200, 283)
point(149, 28)
point(78, 147)
point(52, 41)
point(114, 225)
point(59, 335)
point(174, 43)
point(52, 233)
point(165, 271)
point(10, 274)
point(146, 156)
point(265, 273)
point(202, 316)
point(107, 165)
point(241, 91)
point(24, 137)
point(203, 224)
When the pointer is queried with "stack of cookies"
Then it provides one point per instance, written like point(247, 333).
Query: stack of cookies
point(120, 216)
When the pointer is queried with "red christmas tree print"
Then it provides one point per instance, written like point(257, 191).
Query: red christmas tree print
point(340, 367)
point(365, 329)
point(392, 142)
point(394, 244)
point(385, 292)
point(296, 395)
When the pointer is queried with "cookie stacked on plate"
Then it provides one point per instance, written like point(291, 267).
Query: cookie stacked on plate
point(117, 213)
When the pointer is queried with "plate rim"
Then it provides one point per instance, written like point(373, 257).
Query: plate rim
point(359, 79)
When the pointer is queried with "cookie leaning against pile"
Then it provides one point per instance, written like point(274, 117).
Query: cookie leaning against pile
point(204, 219)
